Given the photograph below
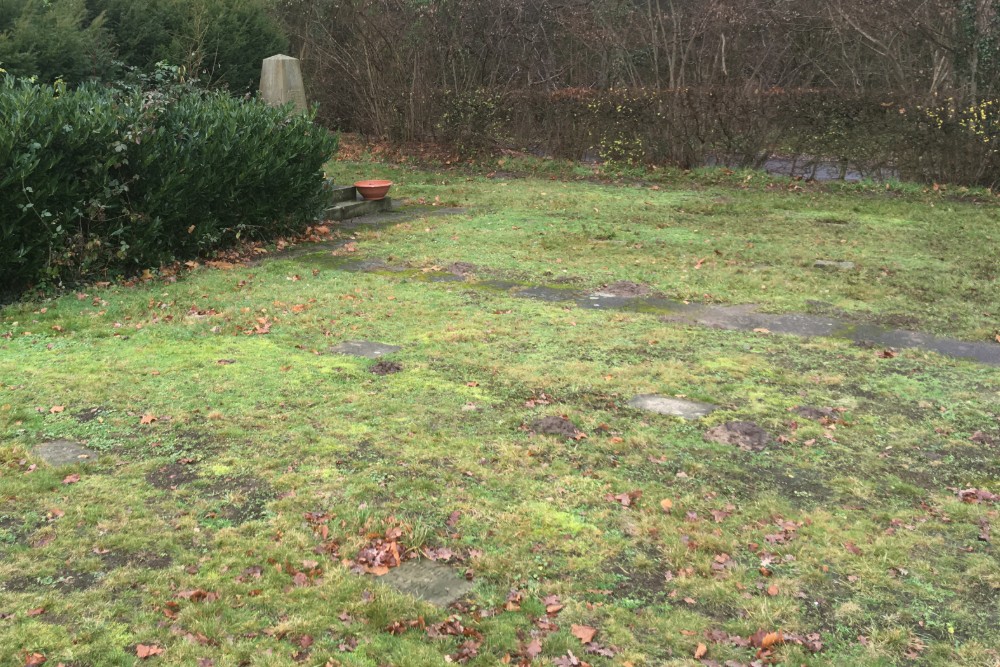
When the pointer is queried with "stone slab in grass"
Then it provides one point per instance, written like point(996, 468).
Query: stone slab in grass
point(428, 580)
point(675, 407)
point(833, 265)
point(64, 453)
point(550, 294)
point(364, 348)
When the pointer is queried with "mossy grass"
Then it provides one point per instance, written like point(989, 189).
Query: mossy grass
point(848, 527)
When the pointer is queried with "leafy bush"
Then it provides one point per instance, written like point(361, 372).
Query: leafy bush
point(53, 40)
point(218, 41)
point(96, 181)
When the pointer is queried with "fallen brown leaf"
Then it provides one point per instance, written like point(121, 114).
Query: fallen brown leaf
point(143, 651)
point(853, 548)
point(584, 633)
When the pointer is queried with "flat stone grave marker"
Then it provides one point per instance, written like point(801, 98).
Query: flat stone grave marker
point(428, 580)
point(65, 453)
point(551, 294)
point(675, 407)
point(833, 265)
point(364, 348)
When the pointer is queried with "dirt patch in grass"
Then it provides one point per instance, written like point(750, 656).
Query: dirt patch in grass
point(557, 426)
point(89, 414)
point(646, 583)
point(362, 453)
point(809, 412)
point(242, 499)
point(988, 439)
point(463, 269)
point(195, 440)
point(646, 586)
point(802, 487)
point(146, 560)
point(15, 530)
point(748, 436)
point(386, 367)
point(172, 475)
point(626, 288)
point(65, 581)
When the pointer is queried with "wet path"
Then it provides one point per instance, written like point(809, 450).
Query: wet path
point(733, 318)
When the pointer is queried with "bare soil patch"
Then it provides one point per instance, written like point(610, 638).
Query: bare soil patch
point(89, 414)
point(463, 269)
point(558, 426)
point(386, 367)
point(244, 498)
point(172, 475)
point(748, 436)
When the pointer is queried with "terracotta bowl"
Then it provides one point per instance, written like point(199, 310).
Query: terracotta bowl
point(373, 189)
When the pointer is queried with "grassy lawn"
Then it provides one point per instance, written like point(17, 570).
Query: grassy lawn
point(245, 473)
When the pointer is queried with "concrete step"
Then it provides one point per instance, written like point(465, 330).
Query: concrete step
point(339, 193)
point(352, 209)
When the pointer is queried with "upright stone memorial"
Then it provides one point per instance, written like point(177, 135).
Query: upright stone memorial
point(281, 82)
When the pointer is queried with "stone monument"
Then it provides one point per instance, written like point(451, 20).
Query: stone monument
point(281, 82)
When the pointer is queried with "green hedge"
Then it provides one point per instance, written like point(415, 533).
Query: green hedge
point(97, 182)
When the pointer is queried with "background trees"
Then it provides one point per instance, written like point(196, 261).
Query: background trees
point(873, 82)
point(220, 42)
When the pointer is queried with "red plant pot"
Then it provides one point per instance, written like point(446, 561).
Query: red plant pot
point(373, 189)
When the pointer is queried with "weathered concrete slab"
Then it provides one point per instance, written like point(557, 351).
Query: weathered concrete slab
point(339, 193)
point(745, 318)
point(553, 294)
point(675, 407)
point(428, 580)
point(833, 265)
point(364, 348)
point(607, 301)
point(344, 210)
point(65, 453)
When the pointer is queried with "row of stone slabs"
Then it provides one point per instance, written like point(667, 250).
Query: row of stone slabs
point(744, 317)
point(430, 581)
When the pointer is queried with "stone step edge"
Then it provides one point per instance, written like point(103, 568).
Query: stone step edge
point(339, 193)
point(352, 209)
